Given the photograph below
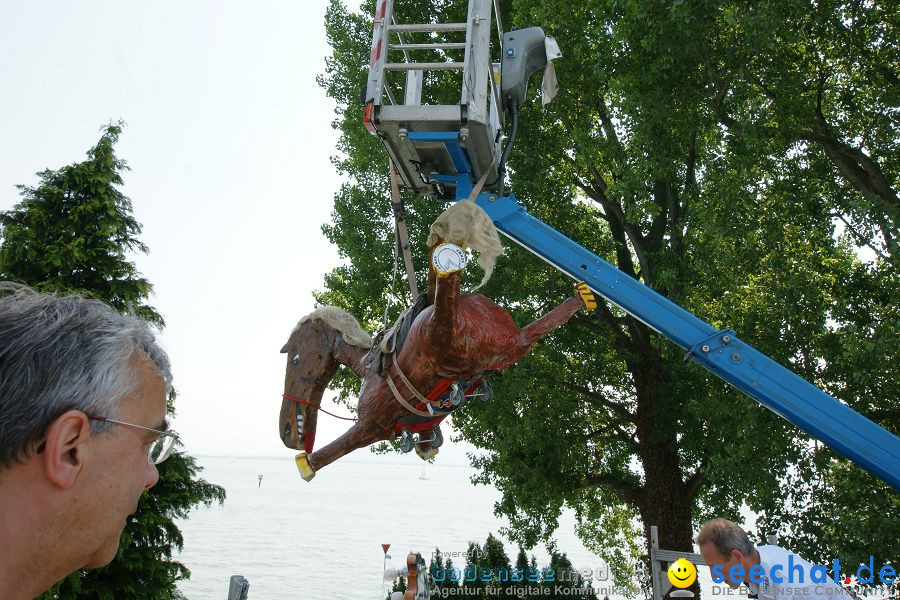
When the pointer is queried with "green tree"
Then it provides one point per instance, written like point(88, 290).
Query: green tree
point(521, 560)
point(398, 586)
point(470, 581)
point(441, 572)
point(71, 233)
point(734, 158)
point(493, 557)
point(565, 577)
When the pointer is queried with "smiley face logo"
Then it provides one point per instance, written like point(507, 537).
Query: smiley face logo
point(682, 573)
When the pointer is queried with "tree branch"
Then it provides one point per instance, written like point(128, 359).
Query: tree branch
point(623, 254)
point(598, 398)
point(860, 239)
point(627, 489)
point(663, 198)
point(622, 341)
point(609, 128)
point(857, 167)
point(614, 210)
point(695, 482)
point(690, 179)
point(721, 86)
point(617, 433)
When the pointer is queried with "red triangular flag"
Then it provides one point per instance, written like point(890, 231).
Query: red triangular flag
point(385, 547)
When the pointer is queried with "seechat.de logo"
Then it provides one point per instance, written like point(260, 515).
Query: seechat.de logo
point(682, 573)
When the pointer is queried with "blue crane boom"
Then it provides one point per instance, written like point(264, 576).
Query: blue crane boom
point(720, 351)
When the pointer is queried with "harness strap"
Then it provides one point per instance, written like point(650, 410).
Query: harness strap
point(409, 385)
point(400, 230)
point(389, 341)
point(477, 189)
point(402, 400)
point(416, 394)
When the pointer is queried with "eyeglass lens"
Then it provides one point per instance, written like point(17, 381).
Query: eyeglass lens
point(161, 448)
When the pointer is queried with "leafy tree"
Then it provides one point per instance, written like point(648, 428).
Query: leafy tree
point(71, 233)
point(733, 157)
point(471, 574)
point(827, 87)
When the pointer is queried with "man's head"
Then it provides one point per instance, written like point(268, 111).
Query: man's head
point(724, 543)
point(68, 364)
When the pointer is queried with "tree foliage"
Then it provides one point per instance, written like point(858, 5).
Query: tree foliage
point(71, 234)
point(740, 159)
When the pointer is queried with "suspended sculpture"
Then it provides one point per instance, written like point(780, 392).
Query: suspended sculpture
point(431, 362)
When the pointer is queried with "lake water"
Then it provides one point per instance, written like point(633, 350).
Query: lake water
point(322, 540)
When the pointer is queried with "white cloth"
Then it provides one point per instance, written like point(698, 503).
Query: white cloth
point(549, 85)
point(796, 583)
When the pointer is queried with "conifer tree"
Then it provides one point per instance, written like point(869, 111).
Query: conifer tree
point(399, 586)
point(442, 574)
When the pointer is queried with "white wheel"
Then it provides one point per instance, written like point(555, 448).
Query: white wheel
point(486, 391)
point(406, 441)
point(457, 394)
point(437, 437)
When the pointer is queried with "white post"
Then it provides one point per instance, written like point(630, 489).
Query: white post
point(655, 571)
point(378, 53)
point(477, 61)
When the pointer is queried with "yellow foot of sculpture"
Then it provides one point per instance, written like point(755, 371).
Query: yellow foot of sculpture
point(426, 454)
point(586, 295)
point(306, 470)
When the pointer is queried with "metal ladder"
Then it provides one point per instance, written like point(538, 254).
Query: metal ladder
point(423, 139)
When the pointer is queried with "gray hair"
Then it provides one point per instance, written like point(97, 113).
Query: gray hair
point(61, 353)
point(725, 536)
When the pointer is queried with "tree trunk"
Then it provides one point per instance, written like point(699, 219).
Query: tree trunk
point(664, 499)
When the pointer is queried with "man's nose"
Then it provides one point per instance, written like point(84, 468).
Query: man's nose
point(153, 477)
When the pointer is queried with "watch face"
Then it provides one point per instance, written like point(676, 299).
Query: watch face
point(448, 258)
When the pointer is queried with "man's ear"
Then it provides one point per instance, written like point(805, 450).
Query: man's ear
point(65, 448)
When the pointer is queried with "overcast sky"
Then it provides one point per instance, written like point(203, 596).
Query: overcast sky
point(228, 138)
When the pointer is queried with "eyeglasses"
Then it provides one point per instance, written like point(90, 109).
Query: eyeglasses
point(160, 448)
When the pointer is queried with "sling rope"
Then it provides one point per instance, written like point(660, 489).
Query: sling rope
point(316, 406)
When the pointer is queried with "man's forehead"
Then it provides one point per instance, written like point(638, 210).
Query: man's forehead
point(709, 552)
point(148, 398)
